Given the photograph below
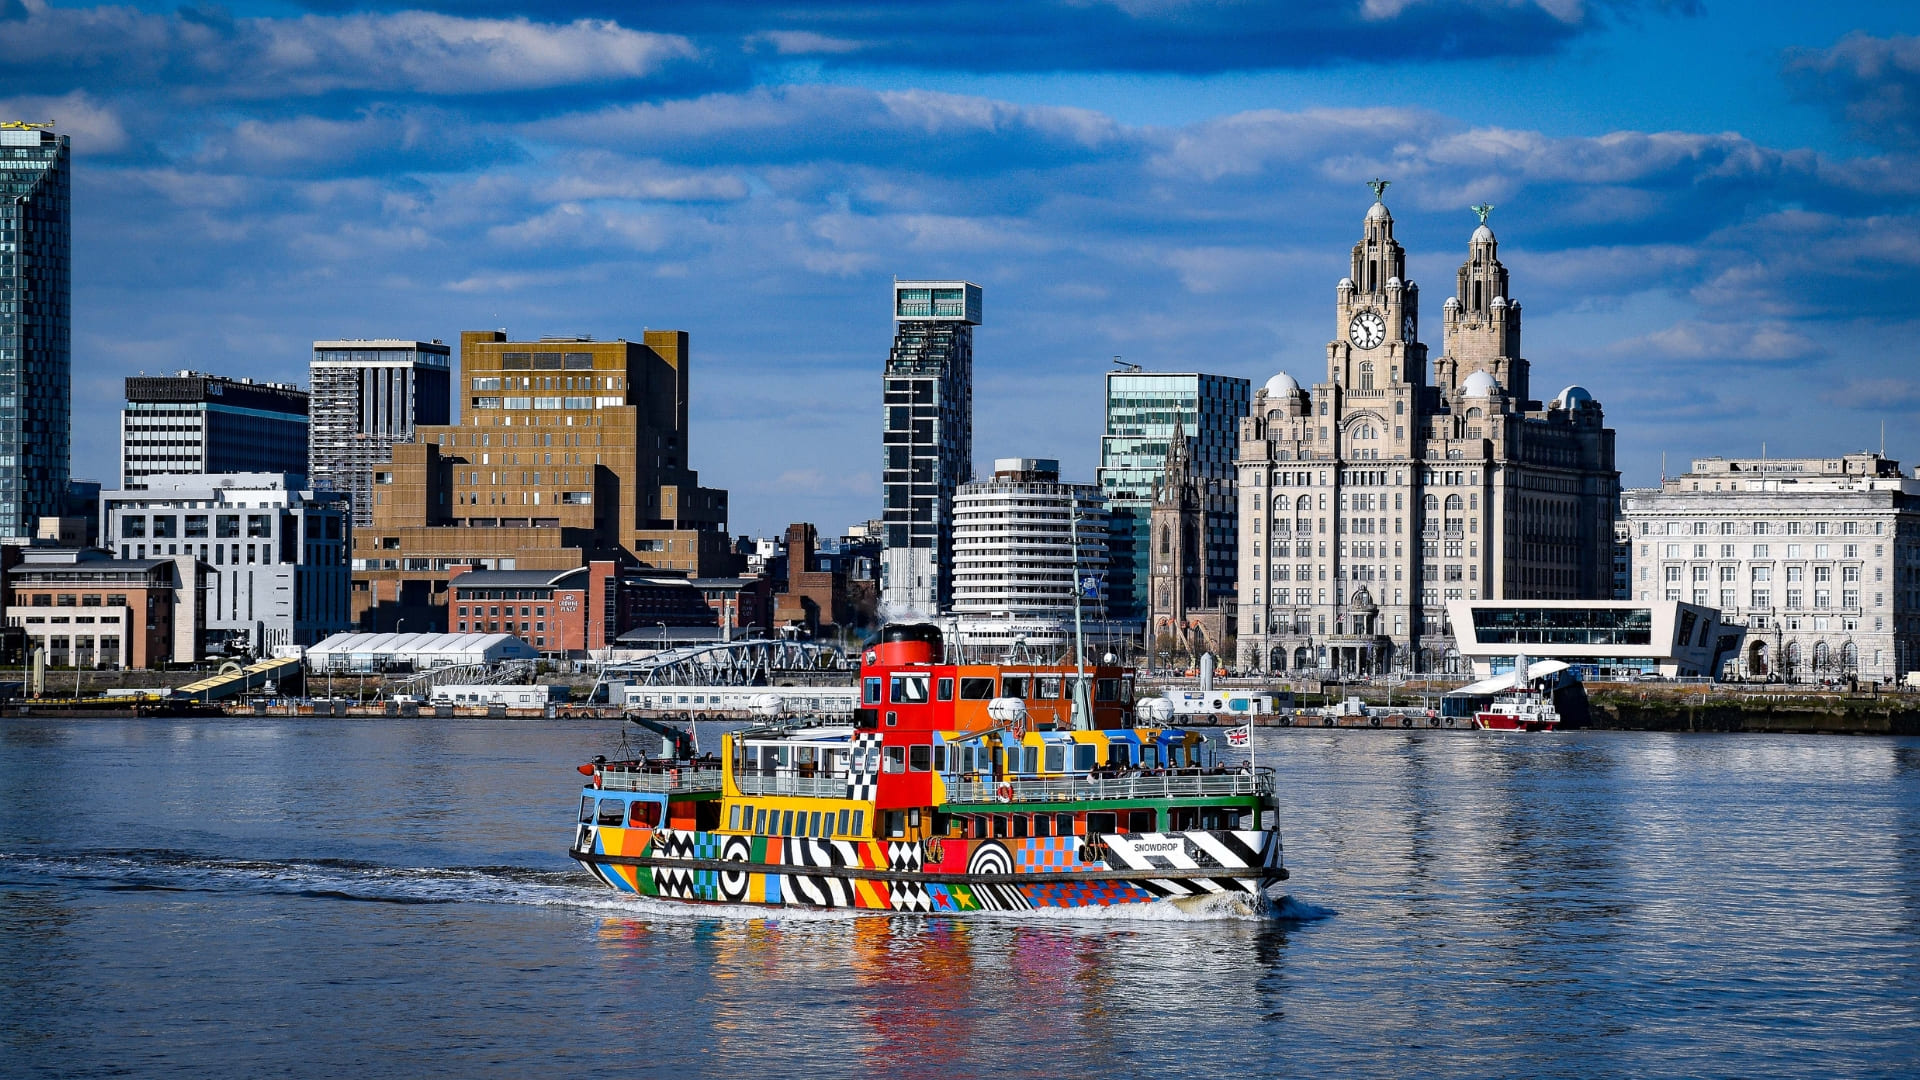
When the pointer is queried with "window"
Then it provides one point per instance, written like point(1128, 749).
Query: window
point(1014, 686)
point(1056, 758)
point(909, 690)
point(612, 811)
point(134, 526)
point(646, 813)
point(976, 689)
point(896, 759)
point(946, 694)
point(919, 757)
point(227, 526)
point(870, 691)
point(1083, 757)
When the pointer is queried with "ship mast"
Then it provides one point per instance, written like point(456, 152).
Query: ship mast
point(1082, 705)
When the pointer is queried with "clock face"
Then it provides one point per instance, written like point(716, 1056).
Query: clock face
point(1367, 330)
point(1407, 329)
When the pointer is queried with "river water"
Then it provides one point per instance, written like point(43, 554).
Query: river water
point(241, 898)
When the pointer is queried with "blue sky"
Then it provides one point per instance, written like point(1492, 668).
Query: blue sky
point(1709, 209)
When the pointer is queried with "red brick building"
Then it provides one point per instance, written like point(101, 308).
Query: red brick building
point(562, 612)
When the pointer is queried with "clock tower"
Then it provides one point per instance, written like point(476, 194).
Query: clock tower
point(1377, 312)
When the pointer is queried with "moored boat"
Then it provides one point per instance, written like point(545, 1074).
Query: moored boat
point(955, 788)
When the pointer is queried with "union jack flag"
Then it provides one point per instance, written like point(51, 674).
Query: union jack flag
point(1240, 736)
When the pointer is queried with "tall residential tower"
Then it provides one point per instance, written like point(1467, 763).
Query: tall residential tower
point(367, 396)
point(928, 438)
point(36, 376)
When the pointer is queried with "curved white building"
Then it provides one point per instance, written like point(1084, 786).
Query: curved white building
point(1012, 546)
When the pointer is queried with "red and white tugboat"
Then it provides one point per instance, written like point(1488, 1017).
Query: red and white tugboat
point(1519, 710)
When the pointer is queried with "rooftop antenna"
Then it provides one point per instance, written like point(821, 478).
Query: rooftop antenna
point(1119, 363)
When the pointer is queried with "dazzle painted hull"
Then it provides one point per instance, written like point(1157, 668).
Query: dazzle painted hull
point(952, 876)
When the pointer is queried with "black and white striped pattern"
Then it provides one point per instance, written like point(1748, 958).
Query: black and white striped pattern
point(1192, 851)
point(733, 884)
point(863, 777)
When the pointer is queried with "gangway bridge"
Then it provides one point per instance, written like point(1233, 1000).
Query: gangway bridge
point(753, 662)
point(233, 680)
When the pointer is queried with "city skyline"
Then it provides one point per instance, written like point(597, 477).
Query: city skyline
point(1712, 212)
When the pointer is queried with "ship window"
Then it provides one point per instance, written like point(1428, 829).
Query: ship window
point(940, 759)
point(1119, 755)
point(1099, 824)
point(1083, 757)
point(1000, 826)
point(979, 828)
point(733, 816)
point(972, 689)
point(843, 823)
point(913, 817)
point(814, 824)
point(859, 823)
point(1140, 821)
point(760, 821)
point(1020, 825)
point(1056, 758)
point(644, 812)
point(1106, 690)
point(946, 689)
point(1015, 686)
point(1150, 757)
point(892, 718)
point(612, 811)
point(786, 823)
point(586, 808)
point(896, 824)
point(1063, 824)
point(1043, 824)
point(909, 690)
point(870, 694)
point(1030, 760)
point(1049, 688)
point(896, 759)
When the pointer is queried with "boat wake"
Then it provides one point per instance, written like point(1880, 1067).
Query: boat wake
point(165, 870)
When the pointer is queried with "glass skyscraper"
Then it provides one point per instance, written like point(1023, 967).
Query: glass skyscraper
point(36, 378)
point(1142, 408)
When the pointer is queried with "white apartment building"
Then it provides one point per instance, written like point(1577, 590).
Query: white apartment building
point(1818, 556)
point(275, 555)
point(1013, 551)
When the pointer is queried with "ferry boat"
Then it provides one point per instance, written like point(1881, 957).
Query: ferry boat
point(954, 788)
point(1519, 710)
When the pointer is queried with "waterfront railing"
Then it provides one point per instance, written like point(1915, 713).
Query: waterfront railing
point(662, 780)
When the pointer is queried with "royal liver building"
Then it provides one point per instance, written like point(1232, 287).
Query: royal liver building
point(1390, 488)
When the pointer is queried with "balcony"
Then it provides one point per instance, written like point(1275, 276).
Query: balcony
point(818, 787)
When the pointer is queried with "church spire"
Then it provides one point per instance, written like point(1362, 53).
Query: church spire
point(1174, 474)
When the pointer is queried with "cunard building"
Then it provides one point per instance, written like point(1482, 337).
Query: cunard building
point(1396, 484)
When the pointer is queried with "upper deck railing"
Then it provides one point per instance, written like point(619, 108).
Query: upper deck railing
point(1171, 784)
point(662, 779)
point(1155, 785)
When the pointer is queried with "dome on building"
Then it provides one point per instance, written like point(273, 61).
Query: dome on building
point(1452, 302)
point(1393, 283)
point(1573, 397)
point(1377, 212)
point(1483, 235)
point(1281, 384)
point(1479, 384)
point(1498, 302)
point(1345, 283)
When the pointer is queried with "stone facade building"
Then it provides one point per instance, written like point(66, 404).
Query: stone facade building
point(1185, 614)
point(1820, 557)
point(1395, 485)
